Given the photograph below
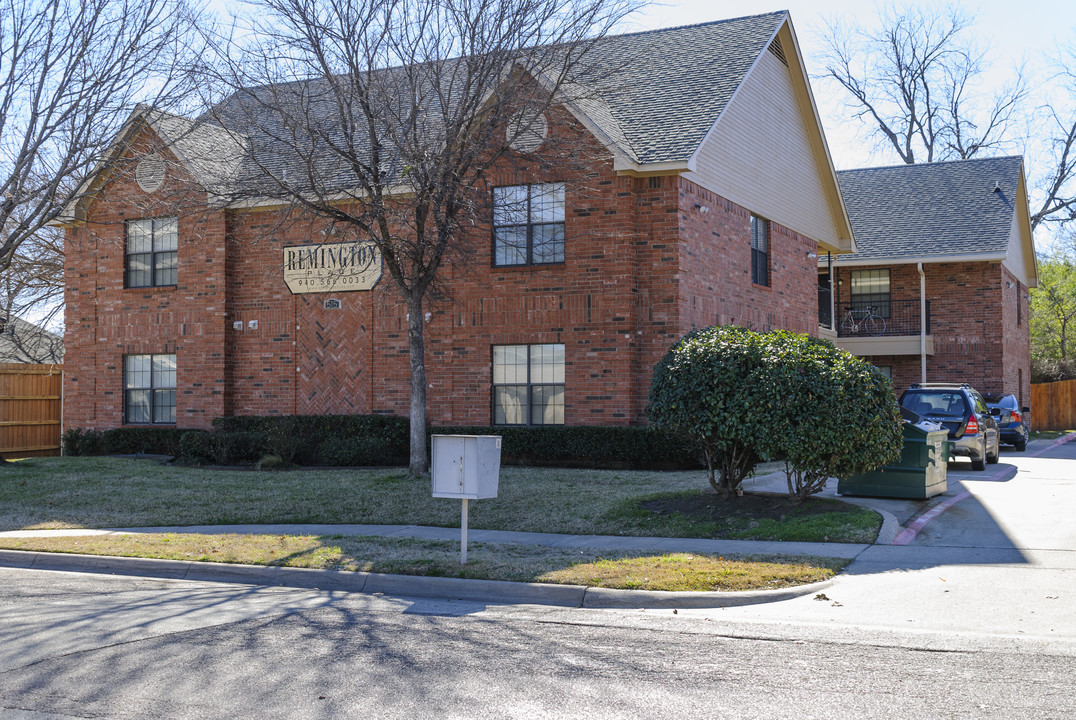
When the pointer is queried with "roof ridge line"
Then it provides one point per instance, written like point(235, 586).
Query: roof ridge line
point(937, 163)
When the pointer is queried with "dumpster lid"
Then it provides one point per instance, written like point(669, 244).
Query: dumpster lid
point(913, 418)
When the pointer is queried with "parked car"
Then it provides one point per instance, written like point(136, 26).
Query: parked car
point(1013, 420)
point(973, 431)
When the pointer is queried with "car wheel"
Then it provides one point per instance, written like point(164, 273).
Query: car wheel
point(1021, 444)
point(978, 462)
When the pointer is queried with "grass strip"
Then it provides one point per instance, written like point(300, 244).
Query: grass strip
point(438, 558)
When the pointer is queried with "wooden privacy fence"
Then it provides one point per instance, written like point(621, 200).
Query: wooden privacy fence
point(1053, 405)
point(30, 409)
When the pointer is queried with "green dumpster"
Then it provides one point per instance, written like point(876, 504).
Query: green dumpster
point(919, 473)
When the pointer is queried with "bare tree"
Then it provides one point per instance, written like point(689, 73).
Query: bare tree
point(1058, 186)
point(914, 82)
point(70, 73)
point(387, 116)
point(31, 300)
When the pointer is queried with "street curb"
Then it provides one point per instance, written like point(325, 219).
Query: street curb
point(637, 599)
point(490, 591)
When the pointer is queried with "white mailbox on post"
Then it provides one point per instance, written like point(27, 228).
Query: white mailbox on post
point(466, 466)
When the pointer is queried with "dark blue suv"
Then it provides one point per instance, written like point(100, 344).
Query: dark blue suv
point(1013, 420)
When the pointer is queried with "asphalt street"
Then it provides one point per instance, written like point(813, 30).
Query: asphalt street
point(972, 618)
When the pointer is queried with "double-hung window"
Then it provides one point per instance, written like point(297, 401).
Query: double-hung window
point(528, 224)
point(528, 384)
point(760, 250)
point(149, 389)
point(151, 257)
point(870, 289)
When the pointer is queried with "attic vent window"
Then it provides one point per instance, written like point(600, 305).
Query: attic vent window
point(332, 304)
point(526, 131)
point(779, 52)
point(149, 173)
point(654, 183)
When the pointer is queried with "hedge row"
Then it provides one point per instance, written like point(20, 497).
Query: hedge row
point(638, 448)
point(348, 440)
point(122, 441)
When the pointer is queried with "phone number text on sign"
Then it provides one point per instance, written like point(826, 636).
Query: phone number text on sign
point(331, 267)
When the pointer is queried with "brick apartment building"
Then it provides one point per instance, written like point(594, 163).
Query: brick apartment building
point(710, 206)
point(945, 255)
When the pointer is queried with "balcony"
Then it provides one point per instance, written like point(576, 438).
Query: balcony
point(890, 328)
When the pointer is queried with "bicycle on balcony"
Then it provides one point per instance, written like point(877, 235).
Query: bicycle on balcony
point(869, 322)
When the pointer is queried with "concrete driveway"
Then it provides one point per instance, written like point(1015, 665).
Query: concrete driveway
point(994, 555)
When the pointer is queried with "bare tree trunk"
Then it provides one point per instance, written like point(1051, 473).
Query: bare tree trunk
point(418, 464)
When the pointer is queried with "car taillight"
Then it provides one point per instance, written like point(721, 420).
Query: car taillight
point(1015, 417)
point(972, 427)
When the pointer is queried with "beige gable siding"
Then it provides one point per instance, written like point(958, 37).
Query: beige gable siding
point(1016, 259)
point(759, 155)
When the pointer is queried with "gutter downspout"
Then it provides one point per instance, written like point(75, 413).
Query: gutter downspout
point(832, 293)
point(922, 322)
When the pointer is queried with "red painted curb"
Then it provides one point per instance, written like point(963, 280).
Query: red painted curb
point(1059, 441)
point(908, 534)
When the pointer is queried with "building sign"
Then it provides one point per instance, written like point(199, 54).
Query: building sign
point(332, 267)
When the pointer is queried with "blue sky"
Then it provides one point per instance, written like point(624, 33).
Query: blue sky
point(1012, 33)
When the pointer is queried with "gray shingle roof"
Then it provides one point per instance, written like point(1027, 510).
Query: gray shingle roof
point(653, 94)
point(912, 212)
point(213, 154)
point(24, 342)
point(678, 81)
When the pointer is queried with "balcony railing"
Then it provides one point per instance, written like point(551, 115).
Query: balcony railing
point(886, 318)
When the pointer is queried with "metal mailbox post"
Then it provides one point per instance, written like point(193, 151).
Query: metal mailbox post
point(466, 467)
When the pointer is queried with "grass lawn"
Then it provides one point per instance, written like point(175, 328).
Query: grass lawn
point(519, 563)
point(1049, 434)
point(102, 492)
point(99, 492)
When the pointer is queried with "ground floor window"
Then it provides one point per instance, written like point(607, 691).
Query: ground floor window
point(149, 389)
point(528, 384)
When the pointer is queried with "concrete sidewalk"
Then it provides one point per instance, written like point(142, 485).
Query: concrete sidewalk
point(880, 556)
point(491, 591)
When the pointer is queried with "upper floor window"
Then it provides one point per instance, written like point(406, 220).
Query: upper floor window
point(528, 384)
point(528, 224)
point(870, 288)
point(760, 250)
point(151, 258)
point(149, 389)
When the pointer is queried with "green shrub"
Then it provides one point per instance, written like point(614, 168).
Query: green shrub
point(270, 462)
point(587, 446)
point(194, 446)
point(142, 440)
point(309, 432)
point(357, 451)
point(706, 389)
point(834, 415)
point(80, 441)
point(236, 448)
point(743, 396)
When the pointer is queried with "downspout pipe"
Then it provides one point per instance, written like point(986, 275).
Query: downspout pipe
point(922, 323)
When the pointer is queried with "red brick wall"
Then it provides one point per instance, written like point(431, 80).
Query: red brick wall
point(104, 321)
point(973, 320)
point(715, 274)
point(642, 267)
